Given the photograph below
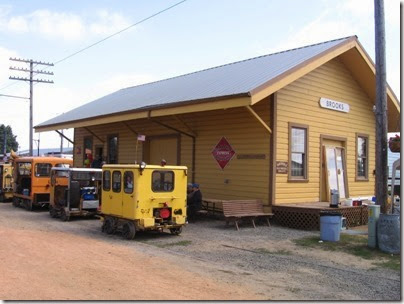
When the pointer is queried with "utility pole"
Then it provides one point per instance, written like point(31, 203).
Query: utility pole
point(37, 143)
point(381, 108)
point(31, 80)
point(5, 141)
point(61, 143)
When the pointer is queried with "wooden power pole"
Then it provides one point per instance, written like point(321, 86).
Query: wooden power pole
point(31, 81)
point(381, 108)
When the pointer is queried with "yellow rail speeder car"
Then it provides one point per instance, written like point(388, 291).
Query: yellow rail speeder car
point(143, 197)
point(6, 182)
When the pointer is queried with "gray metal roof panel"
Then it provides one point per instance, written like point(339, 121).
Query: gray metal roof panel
point(226, 80)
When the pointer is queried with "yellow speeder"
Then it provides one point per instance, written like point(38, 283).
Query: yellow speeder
point(143, 197)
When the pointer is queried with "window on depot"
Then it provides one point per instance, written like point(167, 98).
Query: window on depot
point(112, 149)
point(298, 146)
point(362, 161)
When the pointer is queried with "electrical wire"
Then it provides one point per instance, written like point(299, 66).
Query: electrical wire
point(106, 38)
point(117, 33)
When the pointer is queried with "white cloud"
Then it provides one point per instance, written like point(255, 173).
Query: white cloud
point(5, 54)
point(62, 25)
point(117, 82)
point(363, 10)
point(319, 30)
point(53, 24)
point(18, 24)
point(51, 101)
point(108, 23)
point(346, 18)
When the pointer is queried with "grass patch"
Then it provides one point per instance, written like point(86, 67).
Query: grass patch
point(280, 251)
point(356, 245)
point(393, 264)
point(179, 243)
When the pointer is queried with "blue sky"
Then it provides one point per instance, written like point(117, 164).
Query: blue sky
point(195, 35)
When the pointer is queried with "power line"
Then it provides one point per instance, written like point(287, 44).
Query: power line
point(108, 37)
point(117, 33)
point(31, 80)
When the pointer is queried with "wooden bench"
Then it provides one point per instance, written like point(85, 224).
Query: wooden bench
point(239, 209)
point(212, 206)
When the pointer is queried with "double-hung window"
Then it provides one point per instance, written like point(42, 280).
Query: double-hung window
point(298, 152)
point(362, 161)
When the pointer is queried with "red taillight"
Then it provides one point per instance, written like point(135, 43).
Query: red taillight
point(164, 213)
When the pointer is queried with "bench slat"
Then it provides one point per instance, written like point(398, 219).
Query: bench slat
point(236, 210)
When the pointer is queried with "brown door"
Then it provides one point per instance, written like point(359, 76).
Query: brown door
point(164, 148)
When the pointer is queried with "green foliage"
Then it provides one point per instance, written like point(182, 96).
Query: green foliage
point(11, 139)
point(356, 245)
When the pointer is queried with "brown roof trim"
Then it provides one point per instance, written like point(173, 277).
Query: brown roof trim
point(144, 109)
point(301, 65)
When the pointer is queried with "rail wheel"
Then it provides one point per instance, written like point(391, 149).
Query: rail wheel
point(176, 231)
point(129, 230)
point(64, 216)
point(53, 212)
point(109, 226)
point(28, 205)
point(16, 202)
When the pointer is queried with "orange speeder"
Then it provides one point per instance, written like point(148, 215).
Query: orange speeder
point(32, 179)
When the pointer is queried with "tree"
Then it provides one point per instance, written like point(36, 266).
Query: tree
point(11, 139)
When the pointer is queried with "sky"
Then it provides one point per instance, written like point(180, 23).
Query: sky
point(192, 36)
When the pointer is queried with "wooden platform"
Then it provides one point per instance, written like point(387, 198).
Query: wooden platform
point(306, 216)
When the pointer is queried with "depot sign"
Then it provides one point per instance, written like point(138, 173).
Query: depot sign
point(223, 152)
point(334, 105)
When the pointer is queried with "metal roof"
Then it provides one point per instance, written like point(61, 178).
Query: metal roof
point(237, 78)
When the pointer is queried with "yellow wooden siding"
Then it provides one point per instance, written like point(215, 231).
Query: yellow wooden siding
point(186, 154)
point(126, 140)
point(241, 178)
point(246, 178)
point(299, 103)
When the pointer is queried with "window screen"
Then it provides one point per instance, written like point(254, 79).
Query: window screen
point(162, 181)
point(24, 169)
point(106, 182)
point(362, 157)
point(116, 181)
point(113, 149)
point(128, 182)
point(42, 170)
point(298, 152)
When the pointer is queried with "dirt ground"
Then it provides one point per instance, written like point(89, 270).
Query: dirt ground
point(40, 264)
point(45, 259)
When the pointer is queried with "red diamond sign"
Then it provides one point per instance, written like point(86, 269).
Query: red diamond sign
point(223, 153)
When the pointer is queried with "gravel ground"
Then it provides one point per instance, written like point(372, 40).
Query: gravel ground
point(267, 257)
point(263, 260)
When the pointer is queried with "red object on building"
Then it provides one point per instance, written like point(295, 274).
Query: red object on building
point(223, 152)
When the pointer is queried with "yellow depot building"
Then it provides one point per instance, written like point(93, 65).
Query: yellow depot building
point(285, 128)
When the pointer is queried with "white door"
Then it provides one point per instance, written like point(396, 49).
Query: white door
point(335, 164)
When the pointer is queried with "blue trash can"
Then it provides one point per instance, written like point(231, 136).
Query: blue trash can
point(330, 226)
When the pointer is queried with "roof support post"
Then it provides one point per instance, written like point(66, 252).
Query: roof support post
point(95, 135)
point(259, 119)
point(185, 124)
point(130, 128)
point(171, 128)
point(186, 134)
point(64, 136)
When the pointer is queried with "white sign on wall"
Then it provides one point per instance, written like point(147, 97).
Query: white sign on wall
point(334, 105)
